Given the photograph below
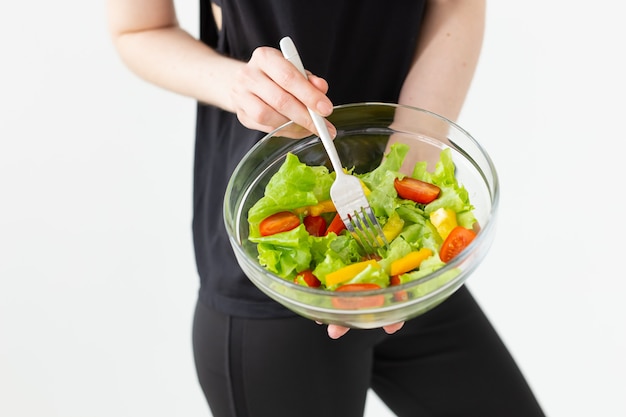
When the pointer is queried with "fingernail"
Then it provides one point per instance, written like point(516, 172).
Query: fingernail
point(324, 108)
point(334, 334)
point(332, 131)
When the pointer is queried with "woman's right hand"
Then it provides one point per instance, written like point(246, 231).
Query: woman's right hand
point(268, 91)
point(265, 92)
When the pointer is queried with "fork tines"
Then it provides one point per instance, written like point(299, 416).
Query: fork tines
point(364, 226)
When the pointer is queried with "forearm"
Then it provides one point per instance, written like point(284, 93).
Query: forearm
point(446, 57)
point(160, 52)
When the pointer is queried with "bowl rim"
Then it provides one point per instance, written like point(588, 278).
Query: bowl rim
point(468, 252)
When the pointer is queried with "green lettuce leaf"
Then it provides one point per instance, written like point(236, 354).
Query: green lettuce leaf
point(286, 253)
point(294, 185)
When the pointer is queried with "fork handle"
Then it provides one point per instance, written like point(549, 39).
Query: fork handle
point(291, 54)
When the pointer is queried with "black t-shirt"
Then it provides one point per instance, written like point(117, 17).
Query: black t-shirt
point(363, 48)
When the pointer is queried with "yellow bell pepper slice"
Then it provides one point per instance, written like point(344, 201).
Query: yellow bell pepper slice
point(348, 272)
point(326, 206)
point(410, 261)
point(444, 220)
point(393, 227)
point(366, 190)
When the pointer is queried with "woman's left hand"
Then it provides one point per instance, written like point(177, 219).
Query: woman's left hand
point(335, 331)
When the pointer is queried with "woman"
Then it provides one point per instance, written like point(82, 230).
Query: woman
point(254, 357)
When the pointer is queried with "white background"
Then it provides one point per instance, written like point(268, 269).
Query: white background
point(97, 276)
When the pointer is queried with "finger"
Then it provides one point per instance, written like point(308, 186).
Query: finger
point(319, 83)
point(263, 100)
point(392, 328)
point(291, 80)
point(332, 130)
point(269, 106)
point(292, 130)
point(335, 332)
point(255, 114)
point(250, 94)
point(247, 96)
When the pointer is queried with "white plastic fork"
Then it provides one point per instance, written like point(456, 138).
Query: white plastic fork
point(346, 192)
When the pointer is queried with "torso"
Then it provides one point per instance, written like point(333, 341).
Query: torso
point(377, 45)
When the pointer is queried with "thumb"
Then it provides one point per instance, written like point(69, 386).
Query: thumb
point(335, 332)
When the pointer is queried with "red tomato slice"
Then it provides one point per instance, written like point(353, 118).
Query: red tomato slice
point(398, 295)
point(315, 225)
point(458, 239)
point(310, 279)
point(336, 226)
point(353, 303)
point(416, 190)
point(395, 280)
point(278, 222)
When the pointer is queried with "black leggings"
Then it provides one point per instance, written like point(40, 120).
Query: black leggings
point(447, 362)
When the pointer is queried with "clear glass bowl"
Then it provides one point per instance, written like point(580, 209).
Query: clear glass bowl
point(363, 133)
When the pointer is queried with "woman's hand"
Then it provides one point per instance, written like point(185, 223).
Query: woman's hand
point(269, 91)
point(265, 92)
point(335, 332)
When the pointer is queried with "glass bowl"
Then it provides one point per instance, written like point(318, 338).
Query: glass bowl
point(363, 133)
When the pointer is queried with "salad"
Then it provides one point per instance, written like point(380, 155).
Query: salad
point(426, 217)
